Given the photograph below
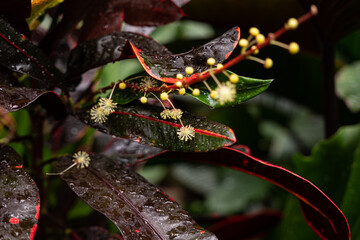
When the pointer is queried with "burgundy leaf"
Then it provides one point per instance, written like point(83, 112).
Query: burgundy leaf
point(142, 123)
point(246, 226)
point(166, 67)
point(106, 17)
point(139, 209)
point(15, 12)
point(20, 55)
point(321, 213)
point(151, 12)
point(109, 48)
point(20, 199)
point(13, 99)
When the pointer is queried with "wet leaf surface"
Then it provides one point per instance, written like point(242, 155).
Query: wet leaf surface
point(13, 99)
point(94, 233)
point(143, 124)
point(20, 55)
point(321, 213)
point(20, 199)
point(109, 48)
point(165, 67)
point(139, 209)
point(246, 89)
point(246, 226)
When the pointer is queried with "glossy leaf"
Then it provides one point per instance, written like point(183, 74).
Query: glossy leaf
point(13, 99)
point(348, 86)
point(20, 198)
point(166, 67)
point(15, 12)
point(246, 89)
point(20, 55)
point(321, 213)
point(109, 48)
point(139, 209)
point(143, 124)
point(247, 226)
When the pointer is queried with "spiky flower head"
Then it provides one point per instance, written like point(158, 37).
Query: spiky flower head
point(176, 113)
point(147, 83)
point(98, 114)
point(226, 93)
point(82, 159)
point(186, 133)
point(165, 114)
point(108, 105)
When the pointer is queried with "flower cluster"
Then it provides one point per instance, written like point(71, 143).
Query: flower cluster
point(100, 112)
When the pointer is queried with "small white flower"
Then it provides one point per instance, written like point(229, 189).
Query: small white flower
point(108, 105)
point(226, 93)
point(186, 133)
point(176, 113)
point(82, 159)
point(165, 114)
point(98, 114)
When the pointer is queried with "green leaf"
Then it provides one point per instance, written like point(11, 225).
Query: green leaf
point(139, 209)
point(333, 167)
point(143, 124)
point(246, 89)
point(348, 86)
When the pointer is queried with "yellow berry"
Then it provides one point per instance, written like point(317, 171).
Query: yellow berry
point(243, 42)
point(189, 70)
point(294, 48)
point(256, 50)
point(292, 23)
point(178, 84)
point(143, 100)
point(254, 31)
point(122, 86)
point(214, 94)
point(268, 63)
point(211, 61)
point(234, 78)
point(164, 96)
point(182, 91)
point(179, 76)
point(196, 92)
point(260, 38)
point(219, 66)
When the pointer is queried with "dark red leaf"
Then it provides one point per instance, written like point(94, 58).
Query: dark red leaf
point(15, 12)
point(151, 12)
point(109, 48)
point(142, 123)
point(166, 67)
point(20, 199)
point(324, 217)
point(246, 226)
point(20, 55)
point(139, 209)
point(106, 17)
point(13, 99)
